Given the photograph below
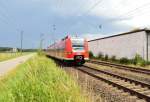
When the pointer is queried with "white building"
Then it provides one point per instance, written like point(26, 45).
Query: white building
point(123, 45)
point(14, 50)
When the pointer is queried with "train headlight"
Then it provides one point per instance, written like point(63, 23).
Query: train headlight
point(69, 53)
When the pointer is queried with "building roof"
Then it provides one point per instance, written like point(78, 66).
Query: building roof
point(130, 32)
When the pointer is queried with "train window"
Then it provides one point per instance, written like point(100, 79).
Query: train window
point(78, 44)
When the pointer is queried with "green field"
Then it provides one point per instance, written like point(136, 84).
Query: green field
point(6, 56)
point(39, 80)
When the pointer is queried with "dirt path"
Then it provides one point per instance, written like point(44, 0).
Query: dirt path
point(8, 65)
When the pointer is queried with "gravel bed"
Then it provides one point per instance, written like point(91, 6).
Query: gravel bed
point(97, 90)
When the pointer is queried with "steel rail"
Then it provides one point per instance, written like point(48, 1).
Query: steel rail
point(126, 89)
point(123, 67)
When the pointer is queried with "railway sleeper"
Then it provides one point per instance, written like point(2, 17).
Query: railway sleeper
point(119, 91)
point(126, 85)
point(126, 94)
point(122, 83)
point(146, 92)
point(134, 88)
point(133, 97)
point(141, 100)
point(116, 81)
point(110, 77)
point(119, 81)
point(141, 89)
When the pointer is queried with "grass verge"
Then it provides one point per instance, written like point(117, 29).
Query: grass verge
point(39, 80)
point(6, 56)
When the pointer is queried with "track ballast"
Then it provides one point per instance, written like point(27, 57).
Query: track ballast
point(136, 88)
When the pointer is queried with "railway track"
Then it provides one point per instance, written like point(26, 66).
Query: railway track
point(123, 67)
point(136, 88)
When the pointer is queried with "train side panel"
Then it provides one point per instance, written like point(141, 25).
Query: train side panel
point(57, 50)
point(68, 49)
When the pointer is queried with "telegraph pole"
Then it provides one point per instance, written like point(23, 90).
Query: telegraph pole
point(54, 29)
point(41, 41)
point(100, 26)
point(21, 41)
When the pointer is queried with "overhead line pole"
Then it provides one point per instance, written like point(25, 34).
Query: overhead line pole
point(41, 41)
point(21, 41)
point(54, 29)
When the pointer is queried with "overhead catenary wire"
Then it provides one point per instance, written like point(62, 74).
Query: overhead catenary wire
point(121, 16)
point(136, 9)
point(7, 18)
point(94, 6)
point(130, 13)
point(133, 14)
point(97, 3)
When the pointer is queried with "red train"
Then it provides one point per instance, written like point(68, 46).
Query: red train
point(70, 49)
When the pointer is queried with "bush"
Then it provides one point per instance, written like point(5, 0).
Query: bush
point(91, 54)
point(143, 63)
point(138, 60)
point(124, 60)
point(113, 58)
point(100, 55)
point(148, 62)
point(106, 57)
point(40, 52)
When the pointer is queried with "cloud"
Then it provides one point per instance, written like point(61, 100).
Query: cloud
point(126, 12)
point(110, 10)
point(81, 17)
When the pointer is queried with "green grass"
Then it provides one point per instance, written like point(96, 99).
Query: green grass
point(39, 80)
point(6, 56)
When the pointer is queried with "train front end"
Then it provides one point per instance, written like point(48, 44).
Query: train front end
point(77, 50)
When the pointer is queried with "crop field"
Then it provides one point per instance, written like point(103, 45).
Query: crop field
point(39, 80)
point(6, 56)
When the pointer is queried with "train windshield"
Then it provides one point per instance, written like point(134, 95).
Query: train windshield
point(78, 44)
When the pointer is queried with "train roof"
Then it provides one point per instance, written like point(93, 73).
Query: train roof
point(130, 32)
point(72, 37)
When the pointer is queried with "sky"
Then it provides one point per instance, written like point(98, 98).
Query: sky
point(54, 19)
